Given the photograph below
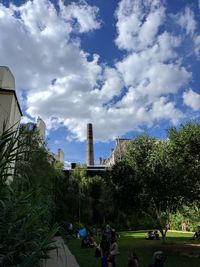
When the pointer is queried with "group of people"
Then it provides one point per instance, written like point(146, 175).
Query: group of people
point(108, 247)
point(152, 235)
point(87, 241)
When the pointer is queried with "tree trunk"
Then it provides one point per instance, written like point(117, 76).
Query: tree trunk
point(163, 233)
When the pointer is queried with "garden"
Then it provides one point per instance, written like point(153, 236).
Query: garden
point(154, 183)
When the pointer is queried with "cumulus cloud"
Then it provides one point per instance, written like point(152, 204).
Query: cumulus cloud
point(66, 86)
point(82, 16)
point(138, 23)
point(186, 20)
point(197, 45)
point(192, 99)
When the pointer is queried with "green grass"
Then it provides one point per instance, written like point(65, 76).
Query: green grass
point(176, 246)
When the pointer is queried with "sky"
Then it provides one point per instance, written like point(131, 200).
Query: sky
point(128, 67)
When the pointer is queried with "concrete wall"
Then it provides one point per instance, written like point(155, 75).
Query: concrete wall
point(5, 109)
point(41, 127)
point(7, 80)
point(10, 112)
point(60, 156)
point(118, 152)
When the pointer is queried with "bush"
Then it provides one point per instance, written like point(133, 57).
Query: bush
point(25, 232)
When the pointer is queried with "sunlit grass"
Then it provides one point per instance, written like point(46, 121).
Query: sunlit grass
point(176, 247)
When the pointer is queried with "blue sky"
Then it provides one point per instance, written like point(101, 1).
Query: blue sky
point(127, 66)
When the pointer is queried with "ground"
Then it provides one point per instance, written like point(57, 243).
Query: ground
point(180, 250)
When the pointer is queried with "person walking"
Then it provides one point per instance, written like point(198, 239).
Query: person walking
point(114, 250)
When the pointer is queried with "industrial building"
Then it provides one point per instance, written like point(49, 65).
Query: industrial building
point(60, 157)
point(117, 153)
point(10, 111)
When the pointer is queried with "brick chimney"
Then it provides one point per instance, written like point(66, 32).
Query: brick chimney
point(90, 147)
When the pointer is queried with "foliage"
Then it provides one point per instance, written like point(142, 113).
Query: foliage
point(24, 230)
point(186, 214)
point(81, 198)
point(156, 178)
point(8, 152)
point(34, 164)
point(124, 186)
point(25, 214)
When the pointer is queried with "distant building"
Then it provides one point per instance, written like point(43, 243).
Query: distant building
point(117, 153)
point(41, 128)
point(10, 111)
point(60, 157)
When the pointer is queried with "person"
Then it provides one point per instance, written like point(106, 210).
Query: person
point(114, 234)
point(150, 235)
point(133, 260)
point(156, 235)
point(108, 231)
point(114, 250)
point(158, 259)
point(77, 235)
point(83, 232)
point(104, 249)
point(87, 242)
point(197, 234)
point(169, 225)
point(70, 228)
point(183, 226)
point(187, 226)
point(84, 242)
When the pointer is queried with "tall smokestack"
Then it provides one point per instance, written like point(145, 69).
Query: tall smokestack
point(90, 148)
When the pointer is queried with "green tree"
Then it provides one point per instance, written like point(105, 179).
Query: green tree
point(169, 173)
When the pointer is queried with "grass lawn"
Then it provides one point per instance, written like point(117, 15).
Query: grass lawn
point(180, 250)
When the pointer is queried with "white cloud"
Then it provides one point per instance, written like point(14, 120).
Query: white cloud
point(186, 20)
point(138, 23)
point(66, 86)
point(82, 16)
point(167, 110)
point(26, 119)
point(197, 45)
point(192, 99)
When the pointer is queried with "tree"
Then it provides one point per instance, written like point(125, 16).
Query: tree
point(185, 154)
point(124, 185)
point(168, 172)
point(34, 165)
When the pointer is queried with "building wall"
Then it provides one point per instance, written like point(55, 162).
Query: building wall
point(60, 156)
point(10, 112)
point(7, 80)
point(17, 115)
point(9, 107)
point(6, 100)
point(118, 152)
point(41, 127)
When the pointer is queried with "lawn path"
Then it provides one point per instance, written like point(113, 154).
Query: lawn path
point(62, 257)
